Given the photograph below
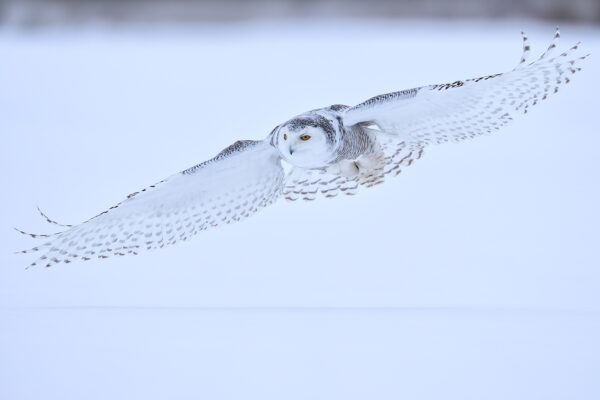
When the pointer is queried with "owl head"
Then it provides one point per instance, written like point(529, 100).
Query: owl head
point(307, 141)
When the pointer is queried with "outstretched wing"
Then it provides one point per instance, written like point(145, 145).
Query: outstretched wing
point(239, 181)
point(464, 109)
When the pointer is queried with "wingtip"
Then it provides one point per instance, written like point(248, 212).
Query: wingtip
point(51, 221)
point(22, 232)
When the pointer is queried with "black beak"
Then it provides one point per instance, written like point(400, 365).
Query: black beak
point(291, 151)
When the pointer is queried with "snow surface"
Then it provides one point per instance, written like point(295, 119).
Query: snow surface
point(473, 275)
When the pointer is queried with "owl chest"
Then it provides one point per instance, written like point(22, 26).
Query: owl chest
point(355, 143)
point(360, 157)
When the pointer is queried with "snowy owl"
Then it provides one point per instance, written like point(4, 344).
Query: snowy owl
point(329, 151)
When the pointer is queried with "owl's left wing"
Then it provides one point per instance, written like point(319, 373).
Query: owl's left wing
point(239, 181)
point(465, 109)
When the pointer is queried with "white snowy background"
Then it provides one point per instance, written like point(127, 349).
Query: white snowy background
point(473, 275)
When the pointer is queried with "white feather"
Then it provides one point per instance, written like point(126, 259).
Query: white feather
point(238, 182)
point(464, 109)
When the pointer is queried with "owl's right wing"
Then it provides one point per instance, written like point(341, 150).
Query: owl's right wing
point(465, 109)
point(402, 123)
point(239, 181)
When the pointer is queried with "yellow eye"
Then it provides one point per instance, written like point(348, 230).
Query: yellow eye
point(285, 136)
point(304, 137)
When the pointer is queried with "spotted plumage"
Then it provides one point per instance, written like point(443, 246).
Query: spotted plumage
point(332, 151)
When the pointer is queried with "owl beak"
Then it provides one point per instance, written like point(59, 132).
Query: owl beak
point(291, 151)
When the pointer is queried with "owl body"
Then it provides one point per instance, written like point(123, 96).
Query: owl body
point(333, 150)
point(328, 140)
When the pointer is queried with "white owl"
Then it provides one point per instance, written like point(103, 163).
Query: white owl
point(333, 150)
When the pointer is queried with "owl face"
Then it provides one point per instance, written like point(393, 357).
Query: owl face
point(307, 141)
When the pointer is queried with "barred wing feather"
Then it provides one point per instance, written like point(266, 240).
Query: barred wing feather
point(239, 181)
point(465, 109)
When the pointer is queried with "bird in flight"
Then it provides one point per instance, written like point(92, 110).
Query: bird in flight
point(333, 150)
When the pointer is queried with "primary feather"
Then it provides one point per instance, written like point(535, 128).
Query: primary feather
point(238, 182)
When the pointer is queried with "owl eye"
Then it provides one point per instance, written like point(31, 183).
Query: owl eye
point(285, 136)
point(304, 137)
